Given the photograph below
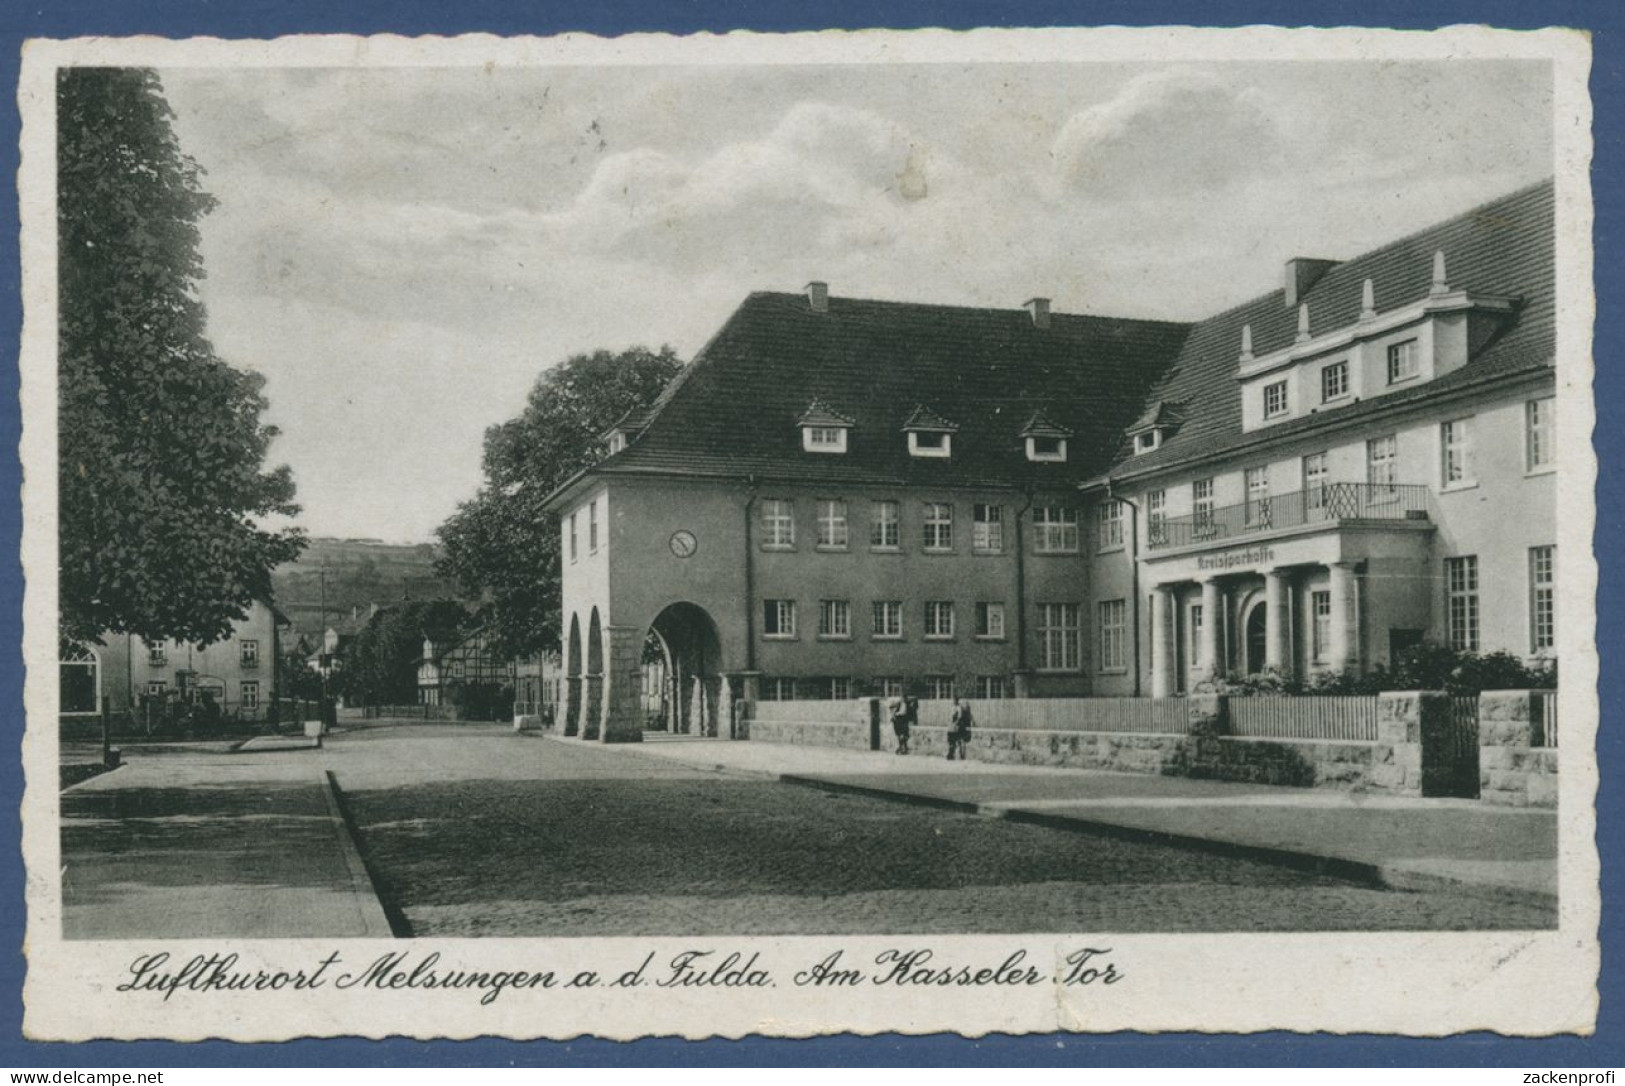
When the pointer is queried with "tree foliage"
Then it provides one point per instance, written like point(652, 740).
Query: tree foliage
point(381, 665)
point(161, 477)
point(501, 545)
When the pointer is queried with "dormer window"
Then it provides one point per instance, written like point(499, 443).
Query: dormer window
point(626, 430)
point(617, 442)
point(929, 434)
point(1275, 400)
point(1159, 422)
point(1147, 441)
point(1046, 448)
point(1046, 440)
point(823, 430)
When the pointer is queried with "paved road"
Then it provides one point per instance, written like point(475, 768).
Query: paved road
point(471, 830)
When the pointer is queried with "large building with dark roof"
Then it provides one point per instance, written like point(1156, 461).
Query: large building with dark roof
point(842, 497)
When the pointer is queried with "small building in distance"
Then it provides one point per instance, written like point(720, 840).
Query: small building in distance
point(467, 675)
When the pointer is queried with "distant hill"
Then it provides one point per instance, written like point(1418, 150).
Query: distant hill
point(360, 573)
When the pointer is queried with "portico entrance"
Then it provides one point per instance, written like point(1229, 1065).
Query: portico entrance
point(694, 691)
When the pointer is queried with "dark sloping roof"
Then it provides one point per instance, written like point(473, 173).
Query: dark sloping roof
point(1160, 413)
point(1041, 425)
point(819, 413)
point(1506, 247)
point(927, 421)
point(734, 410)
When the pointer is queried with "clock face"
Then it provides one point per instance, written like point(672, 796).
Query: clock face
point(683, 543)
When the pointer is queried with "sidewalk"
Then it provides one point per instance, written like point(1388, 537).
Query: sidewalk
point(1396, 842)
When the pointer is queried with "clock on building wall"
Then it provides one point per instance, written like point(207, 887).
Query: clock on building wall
point(683, 543)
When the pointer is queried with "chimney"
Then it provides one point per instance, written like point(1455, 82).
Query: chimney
point(1039, 308)
point(1246, 343)
point(1303, 323)
point(818, 296)
point(1440, 286)
point(1368, 301)
point(1303, 272)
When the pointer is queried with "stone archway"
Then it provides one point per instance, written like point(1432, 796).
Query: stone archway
point(1255, 636)
point(697, 694)
point(572, 679)
point(593, 719)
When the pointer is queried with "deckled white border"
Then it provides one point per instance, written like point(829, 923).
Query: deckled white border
point(1428, 983)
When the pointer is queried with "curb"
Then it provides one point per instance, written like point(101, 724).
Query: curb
point(375, 918)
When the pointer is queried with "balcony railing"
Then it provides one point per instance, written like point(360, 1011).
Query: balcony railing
point(1328, 504)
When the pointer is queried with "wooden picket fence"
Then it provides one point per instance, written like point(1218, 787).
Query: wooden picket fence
point(1344, 718)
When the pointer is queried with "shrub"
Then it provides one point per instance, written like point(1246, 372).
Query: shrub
point(1422, 667)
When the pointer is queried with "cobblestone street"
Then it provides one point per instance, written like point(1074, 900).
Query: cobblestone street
point(475, 832)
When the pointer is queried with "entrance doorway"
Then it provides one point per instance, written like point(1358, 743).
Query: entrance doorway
point(1257, 616)
point(693, 699)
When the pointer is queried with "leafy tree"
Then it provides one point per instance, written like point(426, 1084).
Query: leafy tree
point(501, 545)
point(381, 665)
point(161, 478)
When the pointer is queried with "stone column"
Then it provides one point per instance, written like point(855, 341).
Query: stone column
point(1277, 622)
point(1343, 652)
point(571, 724)
point(1164, 658)
point(622, 716)
point(1213, 628)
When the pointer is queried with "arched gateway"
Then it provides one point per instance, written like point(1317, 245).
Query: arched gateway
point(694, 697)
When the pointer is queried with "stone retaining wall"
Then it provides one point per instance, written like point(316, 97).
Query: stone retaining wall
point(1512, 770)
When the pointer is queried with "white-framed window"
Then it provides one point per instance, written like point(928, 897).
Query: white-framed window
point(158, 653)
point(834, 619)
point(1461, 586)
point(1147, 441)
point(938, 526)
point(1156, 517)
point(889, 686)
point(249, 653)
point(922, 443)
point(987, 529)
point(592, 527)
point(779, 689)
point(1403, 361)
point(840, 689)
point(573, 536)
point(832, 524)
point(1275, 400)
point(990, 621)
point(823, 439)
point(1052, 449)
point(1540, 433)
point(1456, 452)
point(1055, 529)
point(884, 519)
point(1382, 464)
point(779, 618)
point(1542, 598)
point(1258, 496)
point(1315, 475)
point(940, 688)
point(1334, 381)
point(250, 694)
point(1202, 507)
point(888, 620)
point(939, 620)
point(617, 442)
point(1110, 517)
point(1195, 627)
point(1320, 611)
point(778, 524)
point(157, 688)
point(991, 687)
point(1059, 638)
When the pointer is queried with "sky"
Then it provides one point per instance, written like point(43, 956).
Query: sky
point(403, 251)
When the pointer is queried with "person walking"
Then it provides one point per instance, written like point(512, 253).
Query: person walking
point(959, 733)
point(900, 722)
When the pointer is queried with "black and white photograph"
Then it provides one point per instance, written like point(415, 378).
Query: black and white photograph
point(800, 516)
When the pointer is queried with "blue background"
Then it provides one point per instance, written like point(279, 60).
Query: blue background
point(268, 18)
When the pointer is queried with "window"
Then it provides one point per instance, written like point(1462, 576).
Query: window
point(834, 619)
point(249, 652)
point(617, 442)
point(889, 686)
point(929, 444)
point(987, 530)
point(1113, 635)
point(1258, 497)
point(1146, 441)
point(1461, 586)
point(1314, 482)
point(1156, 517)
point(1334, 381)
point(778, 524)
point(888, 622)
point(840, 689)
point(1202, 508)
point(939, 620)
point(883, 521)
point(156, 688)
point(832, 524)
point(592, 527)
point(1320, 611)
point(1110, 514)
point(778, 690)
point(1055, 529)
point(1195, 625)
point(1542, 598)
point(939, 526)
point(940, 688)
point(572, 537)
point(990, 687)
point(779, 618)
point(250, 694)
point(1540, 433)
point(157, 653)
point(990, 621)
point(1402, 361)
point(823, 439)
point(1456, 453)
point(79, 680)
point(1046, 448)
point(1059, 637)
point(1381, 466)
point(1275, 400)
